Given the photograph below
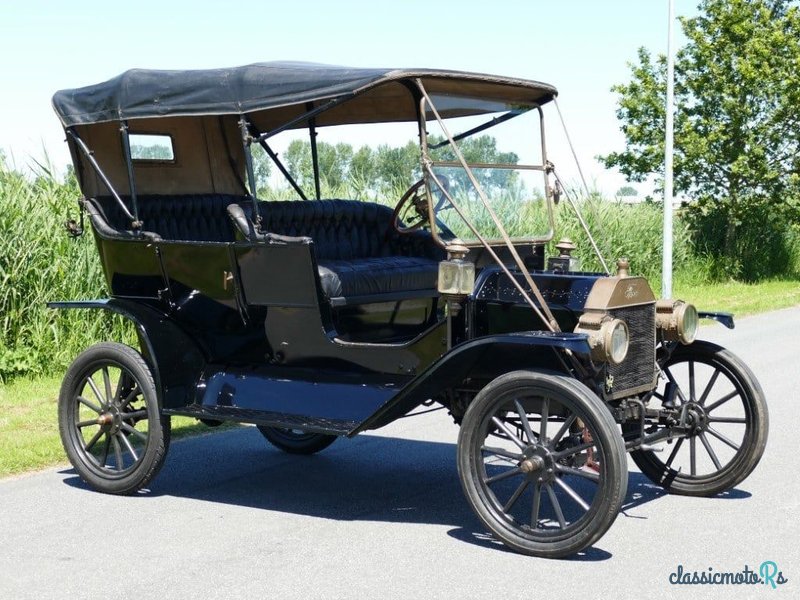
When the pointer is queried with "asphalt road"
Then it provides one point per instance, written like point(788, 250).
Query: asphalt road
point(383, 516)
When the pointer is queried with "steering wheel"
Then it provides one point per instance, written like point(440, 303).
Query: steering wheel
point(412, 208)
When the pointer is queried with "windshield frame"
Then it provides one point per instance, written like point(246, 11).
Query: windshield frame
point(435, 188)
point(456, 247)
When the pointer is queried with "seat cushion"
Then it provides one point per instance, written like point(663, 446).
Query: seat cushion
point(384, 275)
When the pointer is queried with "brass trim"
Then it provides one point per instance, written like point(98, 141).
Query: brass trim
point(671, 320)
point(619, 292)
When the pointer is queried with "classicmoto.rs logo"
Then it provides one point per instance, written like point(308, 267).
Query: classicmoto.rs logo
point(767, 575)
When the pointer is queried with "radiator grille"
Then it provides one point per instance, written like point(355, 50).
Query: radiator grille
point(637, 372)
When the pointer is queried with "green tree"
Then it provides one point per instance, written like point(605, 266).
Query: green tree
point(362, 165)
point(297, 159)
point(627, 191)
point(737, 128)
point(384, 170)
point(151, 152)
point(397, 167)
point(262, 167)
point(477, 149)
point(334, 163)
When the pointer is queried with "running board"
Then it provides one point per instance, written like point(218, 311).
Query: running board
point(262, 417)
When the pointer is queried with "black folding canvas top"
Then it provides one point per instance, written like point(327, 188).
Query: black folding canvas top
point(142, 93)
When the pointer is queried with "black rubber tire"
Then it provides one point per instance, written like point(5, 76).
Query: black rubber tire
point(145, 466)
point(296, 442)
point(754, 440)
point(612, 479)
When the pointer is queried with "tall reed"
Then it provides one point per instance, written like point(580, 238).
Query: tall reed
point(40, 263)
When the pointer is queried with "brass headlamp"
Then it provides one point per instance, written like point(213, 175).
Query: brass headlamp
point(677, 320)
point(608, 337)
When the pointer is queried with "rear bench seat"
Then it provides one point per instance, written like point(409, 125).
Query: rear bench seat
point(194, 218)
point(359, 254)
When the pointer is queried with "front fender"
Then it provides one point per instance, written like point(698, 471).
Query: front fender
point(175, 359)
point(721, 317)
point(490, 356)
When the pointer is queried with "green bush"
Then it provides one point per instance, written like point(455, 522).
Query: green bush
point(752, 242)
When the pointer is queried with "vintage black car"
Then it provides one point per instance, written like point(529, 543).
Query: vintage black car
point(316, 317)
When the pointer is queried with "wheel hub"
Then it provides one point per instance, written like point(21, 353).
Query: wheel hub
point(110, 420)
point(538, 464)
point(698, 417)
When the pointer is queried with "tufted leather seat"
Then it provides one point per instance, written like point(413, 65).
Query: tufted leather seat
point(344, 229)
point(196, 218)
point(358, 251)
point(383, 275)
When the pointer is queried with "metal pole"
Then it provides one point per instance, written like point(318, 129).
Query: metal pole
point(244, 126)
point(103, 177)
point(312, 133)
point(126, 148)
point(666, 266)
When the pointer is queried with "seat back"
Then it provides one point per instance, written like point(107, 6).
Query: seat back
point(200, 217)
point(345, 229)
point(341, 229)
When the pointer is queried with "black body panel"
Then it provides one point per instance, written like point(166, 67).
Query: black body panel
point(176, 360)
point(260, 338)
point(500, 308)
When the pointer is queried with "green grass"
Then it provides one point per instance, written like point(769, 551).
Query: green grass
point(29, 438)
point(741, 298)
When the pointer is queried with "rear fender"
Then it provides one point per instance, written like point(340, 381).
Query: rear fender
point(485, 357)
point(175, 359)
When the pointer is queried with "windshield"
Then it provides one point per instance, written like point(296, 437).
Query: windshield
point(502, 145)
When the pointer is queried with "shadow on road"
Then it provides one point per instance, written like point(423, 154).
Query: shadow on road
point(486, 540)
point(367, 478)
point(641, 491)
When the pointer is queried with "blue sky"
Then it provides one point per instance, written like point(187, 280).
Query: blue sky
point(580, 46)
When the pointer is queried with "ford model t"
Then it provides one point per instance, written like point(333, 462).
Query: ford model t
point(316, 317)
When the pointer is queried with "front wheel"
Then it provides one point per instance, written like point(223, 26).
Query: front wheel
point(108, 415)
point(542, 463)
point(730, 422)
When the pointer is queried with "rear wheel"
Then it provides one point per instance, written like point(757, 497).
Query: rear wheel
point(726, 403)
point(542, 463)
point(111, 427)
point(295, 441)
